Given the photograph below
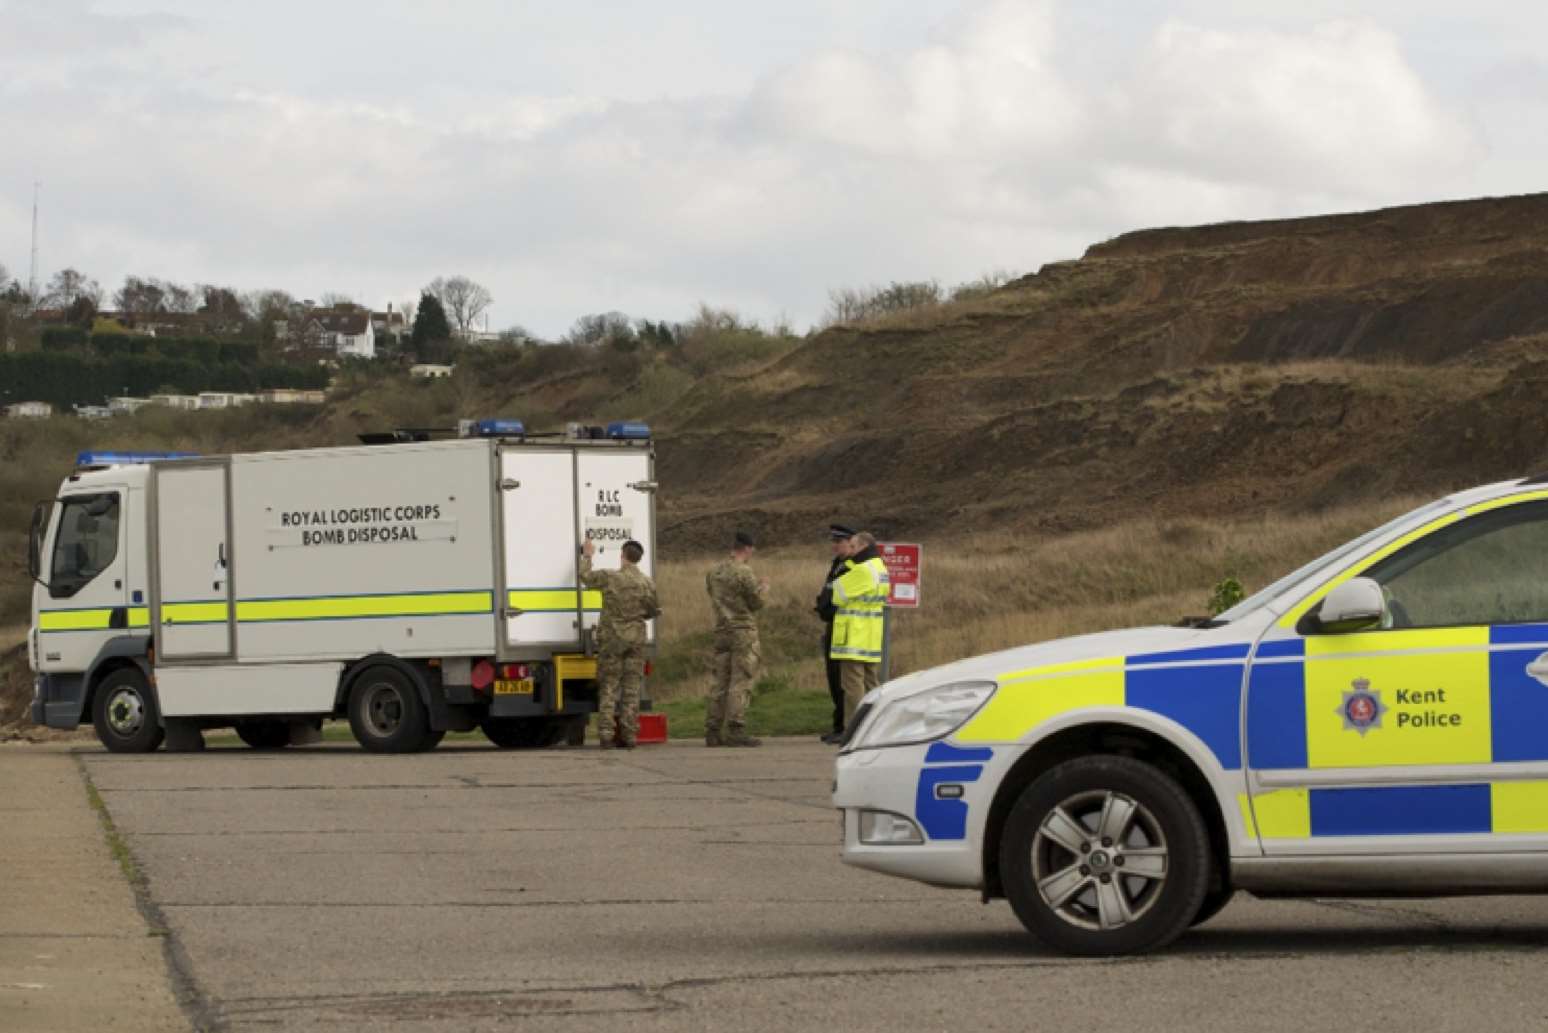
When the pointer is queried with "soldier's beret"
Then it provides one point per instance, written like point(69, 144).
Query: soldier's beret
point(745, 540)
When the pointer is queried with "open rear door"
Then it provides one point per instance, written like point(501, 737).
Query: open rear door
point(191, 592)
point(537, 500)
point(616, 501)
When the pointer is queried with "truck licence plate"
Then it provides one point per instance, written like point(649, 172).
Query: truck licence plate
point(516, 687)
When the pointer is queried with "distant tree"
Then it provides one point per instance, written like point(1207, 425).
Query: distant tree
point(430, 326)
point(335, 299)
point(5, 277)
point(853, 305)
point(68, 285)
point(181, 299)
point(82, 312)
point(141, 297)
point(221, 305)
point(601, 328)
point(463, 300)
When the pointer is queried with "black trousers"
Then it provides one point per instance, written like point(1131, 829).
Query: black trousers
point(835, 684)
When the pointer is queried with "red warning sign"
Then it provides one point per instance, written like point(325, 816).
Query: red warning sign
point(904, 561)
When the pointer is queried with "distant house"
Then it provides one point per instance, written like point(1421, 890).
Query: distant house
point(176, 401)
point(214, 400)
point(94, 412)
point(346, 329)
point(29, 411)
point(389, 325)
point(121, 405)
point(430, 371)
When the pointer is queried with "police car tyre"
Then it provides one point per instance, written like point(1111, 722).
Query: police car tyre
point(264, 735)
point(125, 713)
point(386, 713)
point(523, 733)
point(1105, 855)
point(1214, 903)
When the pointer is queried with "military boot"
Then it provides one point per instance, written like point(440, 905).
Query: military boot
point(742, 739)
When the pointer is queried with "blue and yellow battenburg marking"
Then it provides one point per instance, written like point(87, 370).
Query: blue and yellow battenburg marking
point(1498, 808)
point(943, 816)
point(1200, 689)
point(188, 613)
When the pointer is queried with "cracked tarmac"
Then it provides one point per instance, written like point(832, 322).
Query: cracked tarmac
point(678, 888)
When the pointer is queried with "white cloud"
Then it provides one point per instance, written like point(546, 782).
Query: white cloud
point(990, 140)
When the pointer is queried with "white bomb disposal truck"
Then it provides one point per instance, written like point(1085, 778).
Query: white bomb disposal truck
point(415, 585)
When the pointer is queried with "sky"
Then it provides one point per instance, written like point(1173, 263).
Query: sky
point(603, 155)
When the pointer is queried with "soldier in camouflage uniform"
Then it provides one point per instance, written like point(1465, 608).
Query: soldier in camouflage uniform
point(628, 601)
point(735, 595)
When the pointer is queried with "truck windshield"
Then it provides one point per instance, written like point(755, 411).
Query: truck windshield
point(86, 543)
point(1349, 548)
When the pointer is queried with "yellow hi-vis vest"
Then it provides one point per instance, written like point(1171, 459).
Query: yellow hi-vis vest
point(860, 594)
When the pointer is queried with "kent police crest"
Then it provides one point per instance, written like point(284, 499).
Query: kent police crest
point(1362, 707)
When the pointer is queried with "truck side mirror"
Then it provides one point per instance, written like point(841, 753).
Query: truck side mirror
point(1355, 605)
point(35, 541)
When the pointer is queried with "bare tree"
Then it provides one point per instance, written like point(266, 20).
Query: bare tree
point(181, 298)
point(463, 300)
point(5, 277)
point(67, 286)
point(335, 299)
point(141, 297)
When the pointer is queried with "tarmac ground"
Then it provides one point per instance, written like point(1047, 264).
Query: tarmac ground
point(668, 888)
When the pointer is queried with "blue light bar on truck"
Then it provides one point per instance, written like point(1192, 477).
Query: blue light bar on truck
point(128, 458)
point(492, 429)
point(628, 431)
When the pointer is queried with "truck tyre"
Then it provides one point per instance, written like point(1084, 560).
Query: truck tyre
point(386, 713)
point(264, 735)
point(125, 713)
point(1105, 855)
point(523, 733)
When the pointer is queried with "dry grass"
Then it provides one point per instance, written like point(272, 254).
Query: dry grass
point(984, 594)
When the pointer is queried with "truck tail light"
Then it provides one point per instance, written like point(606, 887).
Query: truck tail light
point(515, 671)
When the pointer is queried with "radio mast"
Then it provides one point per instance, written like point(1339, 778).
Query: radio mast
point(32, 272)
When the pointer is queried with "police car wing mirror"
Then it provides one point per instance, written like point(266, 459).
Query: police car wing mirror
point(1355, 605)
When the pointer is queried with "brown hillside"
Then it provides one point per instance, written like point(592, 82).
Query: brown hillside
point(1241, 366)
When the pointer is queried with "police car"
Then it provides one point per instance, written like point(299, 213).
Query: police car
point(1373, 724)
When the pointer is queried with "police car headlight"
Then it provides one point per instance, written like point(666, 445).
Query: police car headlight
point(924, 716)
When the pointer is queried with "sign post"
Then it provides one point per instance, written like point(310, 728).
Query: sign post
point(905, 562)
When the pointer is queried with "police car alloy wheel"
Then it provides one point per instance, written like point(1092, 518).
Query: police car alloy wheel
point(125, 714)
point(1105, 855)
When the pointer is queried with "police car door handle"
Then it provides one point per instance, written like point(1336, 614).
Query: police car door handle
point(1538, 669)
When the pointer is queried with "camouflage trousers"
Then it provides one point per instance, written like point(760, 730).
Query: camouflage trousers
point(736, 668)
point(620, 665)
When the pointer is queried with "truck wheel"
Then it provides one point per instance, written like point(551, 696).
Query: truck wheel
point(386, 713)
point(264, 735)
point(1105, 855)
point(125, 713)
point(523, 733)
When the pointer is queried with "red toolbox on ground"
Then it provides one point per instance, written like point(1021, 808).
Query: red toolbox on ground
point(653, 728)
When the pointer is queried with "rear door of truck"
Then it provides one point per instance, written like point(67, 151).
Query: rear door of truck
point(616, 499)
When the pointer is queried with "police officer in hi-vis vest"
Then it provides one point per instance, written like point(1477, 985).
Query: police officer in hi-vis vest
point(838, 536)
point(860, 596)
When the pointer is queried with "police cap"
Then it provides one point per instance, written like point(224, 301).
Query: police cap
point(838, 532)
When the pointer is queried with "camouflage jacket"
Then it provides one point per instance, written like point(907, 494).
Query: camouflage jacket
point(628, 599)
point(734, 594)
